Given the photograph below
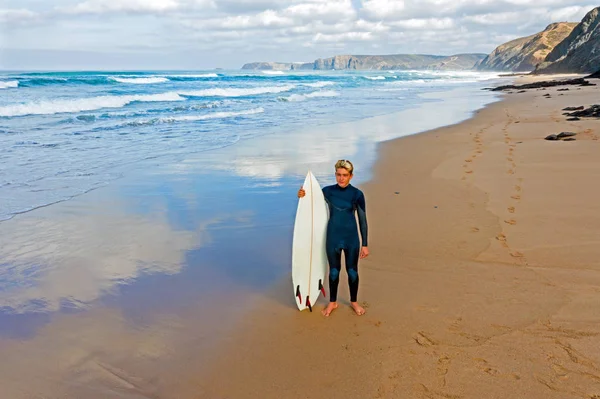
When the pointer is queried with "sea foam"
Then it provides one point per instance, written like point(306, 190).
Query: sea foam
point(191, 118)
point(49, 107)
point(140, 81)
point(237, 92)
point(9, 84)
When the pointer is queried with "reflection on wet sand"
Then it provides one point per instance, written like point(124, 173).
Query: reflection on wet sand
point(72, 259)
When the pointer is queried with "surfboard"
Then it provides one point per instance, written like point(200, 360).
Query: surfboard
point(309, 260)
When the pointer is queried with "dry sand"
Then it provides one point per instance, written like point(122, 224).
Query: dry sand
point(483, 279)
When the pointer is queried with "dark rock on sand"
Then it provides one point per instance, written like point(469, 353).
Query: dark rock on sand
point(563, 136)
point(544, 84)
point(574, 119)
point(591, 112)
point(573, 108)
point(566, 134)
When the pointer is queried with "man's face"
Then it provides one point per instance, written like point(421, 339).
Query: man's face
point(343, 177)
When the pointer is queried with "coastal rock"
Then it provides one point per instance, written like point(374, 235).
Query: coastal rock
point(563, 136)
point(595, 75)
point(377, 62)
point(525, 53)
point(399, 62)
point(591, 112)
point(277, 66)
point(573, 108)
point(579, 52)
point(547, 83)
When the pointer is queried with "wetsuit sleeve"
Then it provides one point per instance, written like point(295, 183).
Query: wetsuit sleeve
point(361, 209)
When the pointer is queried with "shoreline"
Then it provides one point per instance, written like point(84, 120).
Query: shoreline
point(488, 296)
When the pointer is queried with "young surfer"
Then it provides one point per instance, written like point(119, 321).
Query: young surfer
point(343, 201)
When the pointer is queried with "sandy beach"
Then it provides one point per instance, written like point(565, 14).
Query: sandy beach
point(483, 279)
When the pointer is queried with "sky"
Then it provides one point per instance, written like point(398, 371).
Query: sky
point(206, 34)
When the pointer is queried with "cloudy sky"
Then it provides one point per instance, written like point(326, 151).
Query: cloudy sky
point(203, 34)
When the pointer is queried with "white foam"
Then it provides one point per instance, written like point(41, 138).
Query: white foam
point(83, 104)
point(302, 97)
point(375, 77)
point(237, 92)
point(188, 118)
point(273, 72)
point(202, 75)
point(9, 84)
point(140, 81)
point(319, 84)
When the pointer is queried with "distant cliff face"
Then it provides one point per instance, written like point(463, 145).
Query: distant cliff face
point(523, 54)
point(580, 51)
point(399, 62)
point(277, 66)
point(379, 62)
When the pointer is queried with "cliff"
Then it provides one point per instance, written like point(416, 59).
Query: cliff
point(399, 62)
point(579, 52)
point(380, 62)
point(278, 66)
point(523, 54)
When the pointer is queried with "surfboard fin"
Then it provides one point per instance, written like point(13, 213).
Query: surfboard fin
point(298, 294)
point(321, 287)
point(308, 303)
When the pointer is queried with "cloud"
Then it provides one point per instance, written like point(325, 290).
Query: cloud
point(383, 9)
point(78, 258)
point(17, 16)
point(122, 6)
point(239, 31)
point(424, 23)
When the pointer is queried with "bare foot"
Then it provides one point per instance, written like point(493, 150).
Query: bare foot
point(330, 308)
point(359, 310)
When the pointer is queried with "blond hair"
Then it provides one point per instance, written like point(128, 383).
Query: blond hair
point(344, 164)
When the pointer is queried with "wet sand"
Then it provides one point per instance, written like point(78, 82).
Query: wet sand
point(483, 279)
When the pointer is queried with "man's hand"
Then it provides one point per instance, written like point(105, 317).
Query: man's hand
point(364, 252)
point(301, 193)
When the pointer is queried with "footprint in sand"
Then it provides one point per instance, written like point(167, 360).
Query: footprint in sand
point(512, 222)
point(474, 229)
point(509, 159)
point(468, 171)
point(511, 209)
point(511, 172)
point(423, 339)
point(518, 188)
point(517, 254)
point(469, 160)
point(517, 197)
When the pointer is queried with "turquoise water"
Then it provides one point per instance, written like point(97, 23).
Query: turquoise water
point(63, 134)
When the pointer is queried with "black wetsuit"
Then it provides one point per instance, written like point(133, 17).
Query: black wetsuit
point(342, 234)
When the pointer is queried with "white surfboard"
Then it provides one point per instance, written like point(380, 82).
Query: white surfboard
point(309, 260)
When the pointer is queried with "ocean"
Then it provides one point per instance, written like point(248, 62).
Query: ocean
point(63, 134)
